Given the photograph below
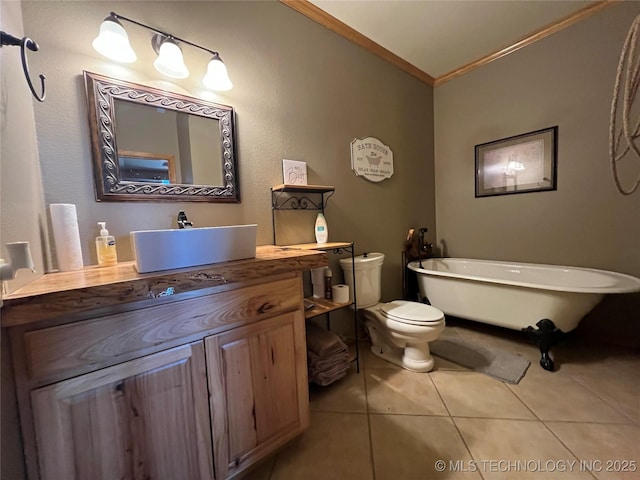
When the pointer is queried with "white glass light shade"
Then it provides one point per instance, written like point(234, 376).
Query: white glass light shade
point(113, 42)
point(217, 77)
point(170, 61)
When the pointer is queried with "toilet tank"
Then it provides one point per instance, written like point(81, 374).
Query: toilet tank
point(368, 271)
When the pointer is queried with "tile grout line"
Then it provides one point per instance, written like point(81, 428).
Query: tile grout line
point(605, 400)
point(599, 397)
point(451, 418)
point(366, 404)
point(515, 394)
point(565, 445)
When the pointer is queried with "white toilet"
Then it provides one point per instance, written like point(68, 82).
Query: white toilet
point(400, 331)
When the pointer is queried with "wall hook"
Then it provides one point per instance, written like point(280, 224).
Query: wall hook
point(24, 43)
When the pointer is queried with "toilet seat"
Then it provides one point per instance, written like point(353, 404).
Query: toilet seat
point(412, 313)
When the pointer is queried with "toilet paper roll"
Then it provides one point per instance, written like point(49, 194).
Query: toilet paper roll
point(340, 293)
point(66, 236)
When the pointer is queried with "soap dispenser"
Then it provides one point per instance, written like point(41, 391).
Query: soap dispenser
point(106, 247)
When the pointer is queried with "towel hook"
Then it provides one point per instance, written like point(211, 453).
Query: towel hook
point(24, 43)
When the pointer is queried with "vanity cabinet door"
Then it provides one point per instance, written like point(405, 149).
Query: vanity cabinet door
point(144, 419)
point(259, 390)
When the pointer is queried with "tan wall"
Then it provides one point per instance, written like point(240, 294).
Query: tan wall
point(21, 191)
point(21, 208)
point(566, 80)
point(300, 92)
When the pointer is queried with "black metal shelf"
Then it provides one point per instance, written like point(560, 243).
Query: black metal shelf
point(301, 197)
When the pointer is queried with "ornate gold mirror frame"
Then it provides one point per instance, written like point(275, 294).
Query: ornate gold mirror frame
point(102, 94)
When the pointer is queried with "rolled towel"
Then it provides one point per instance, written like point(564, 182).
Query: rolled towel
point(323, 342)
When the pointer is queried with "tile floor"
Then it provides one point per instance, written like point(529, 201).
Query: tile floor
point(386, 423)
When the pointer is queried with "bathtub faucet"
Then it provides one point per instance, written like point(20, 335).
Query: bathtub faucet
point(422, 246)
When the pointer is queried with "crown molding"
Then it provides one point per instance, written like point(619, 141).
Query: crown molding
point(318, 15)
point(528, 40)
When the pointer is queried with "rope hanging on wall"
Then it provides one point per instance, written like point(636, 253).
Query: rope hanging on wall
point(624, 95)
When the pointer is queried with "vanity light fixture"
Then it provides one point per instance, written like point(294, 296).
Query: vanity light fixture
point(113, 43)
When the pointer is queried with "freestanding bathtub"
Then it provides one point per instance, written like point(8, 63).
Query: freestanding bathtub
point(517, 295)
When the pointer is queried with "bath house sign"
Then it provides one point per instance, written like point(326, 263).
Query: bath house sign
point(371, 159)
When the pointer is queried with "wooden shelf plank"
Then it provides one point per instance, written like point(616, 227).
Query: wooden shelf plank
point(284, 187)
point(319, 246)
point(322, 306)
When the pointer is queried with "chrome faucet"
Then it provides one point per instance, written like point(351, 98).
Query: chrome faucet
point(183, 222)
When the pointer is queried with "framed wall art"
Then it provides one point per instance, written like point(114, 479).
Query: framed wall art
point(519, 164)
point(146, 167)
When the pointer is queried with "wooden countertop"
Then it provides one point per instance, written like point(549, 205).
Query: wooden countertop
point(112, 288)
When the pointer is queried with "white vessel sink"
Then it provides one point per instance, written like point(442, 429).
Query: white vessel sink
point(156, 250)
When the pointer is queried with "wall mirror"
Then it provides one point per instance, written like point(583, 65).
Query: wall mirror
point(149, 144)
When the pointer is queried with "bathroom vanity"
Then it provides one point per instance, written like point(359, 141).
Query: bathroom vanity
point(194, 373)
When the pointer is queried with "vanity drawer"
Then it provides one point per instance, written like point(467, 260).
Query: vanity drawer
point(71, 349)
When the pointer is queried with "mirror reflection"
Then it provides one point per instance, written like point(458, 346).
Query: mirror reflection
point(146, 167)
point(190, 144)
point(149, 144)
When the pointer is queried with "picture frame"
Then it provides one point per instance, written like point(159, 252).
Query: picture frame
point(146, 167)
point(519, 164)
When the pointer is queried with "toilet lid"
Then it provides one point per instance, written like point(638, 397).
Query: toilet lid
point(411, 312)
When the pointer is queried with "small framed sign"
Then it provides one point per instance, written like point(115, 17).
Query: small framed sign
point(294, 172)
point(371, 159)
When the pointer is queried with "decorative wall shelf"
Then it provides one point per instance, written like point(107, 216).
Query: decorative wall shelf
point(314, 197)
point(305, 197)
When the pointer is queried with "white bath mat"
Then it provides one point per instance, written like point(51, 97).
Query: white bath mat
point(504, 366)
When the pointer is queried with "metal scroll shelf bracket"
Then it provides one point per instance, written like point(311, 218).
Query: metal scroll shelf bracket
point(341, 250)
point(24, 44)
point(286, 201)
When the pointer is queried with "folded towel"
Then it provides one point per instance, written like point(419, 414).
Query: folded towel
point(327, 356)
point(325, 378)
point(319, 364)
point(323, 342)
point(326, 370)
